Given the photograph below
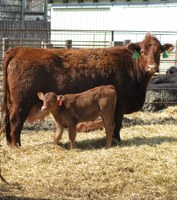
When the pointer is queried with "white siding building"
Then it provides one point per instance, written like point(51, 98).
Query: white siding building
point(118, 17)
point(126, 21)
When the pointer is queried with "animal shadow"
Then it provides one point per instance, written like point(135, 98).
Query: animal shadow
point(92, 144)
point(137, 121)
point(153, 141)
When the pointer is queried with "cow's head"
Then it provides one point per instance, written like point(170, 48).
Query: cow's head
point(50, 101)
point(148, 52)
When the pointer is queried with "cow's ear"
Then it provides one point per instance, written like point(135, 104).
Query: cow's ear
point(40, 95)
point(148, 35)
point(168, 47)
point(132, 47)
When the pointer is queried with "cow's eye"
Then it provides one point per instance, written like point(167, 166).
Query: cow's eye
point(142, 52)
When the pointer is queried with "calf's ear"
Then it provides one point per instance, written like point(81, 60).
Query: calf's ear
point(40, 95)
point(60, 98)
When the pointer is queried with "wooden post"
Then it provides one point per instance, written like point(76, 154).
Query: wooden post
point(5, 45)
point(176, 56)
point(43, 45)
point(68, 44)
point(46, 45)
point(116, 43)
point(23, 2)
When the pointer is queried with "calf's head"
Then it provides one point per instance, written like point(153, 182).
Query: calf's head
point(148, 53)
point(50, 101)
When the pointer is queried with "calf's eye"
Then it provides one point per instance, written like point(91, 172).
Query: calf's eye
point(51, 101)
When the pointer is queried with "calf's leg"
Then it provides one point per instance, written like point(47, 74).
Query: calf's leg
point(109, 128)
point(58, 134)
point(72, 136)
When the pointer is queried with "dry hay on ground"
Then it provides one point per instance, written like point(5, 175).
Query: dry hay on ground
point(143, 166)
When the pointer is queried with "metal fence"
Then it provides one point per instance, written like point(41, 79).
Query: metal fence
point(81, 39)
point(46, 38)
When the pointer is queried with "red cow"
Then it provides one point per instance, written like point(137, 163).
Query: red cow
point(27, 71)
point(70, 109)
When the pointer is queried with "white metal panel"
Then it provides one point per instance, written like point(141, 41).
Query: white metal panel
point(80, 18)
point(138, 18)
point(144, 18)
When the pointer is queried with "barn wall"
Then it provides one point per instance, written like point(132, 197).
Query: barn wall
point(128, 22)
point(146, 17)
point(124, 18)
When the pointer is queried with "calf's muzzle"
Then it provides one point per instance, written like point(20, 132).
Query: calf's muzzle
point(43, 108)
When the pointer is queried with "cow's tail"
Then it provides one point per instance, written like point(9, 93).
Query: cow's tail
point(5, 90)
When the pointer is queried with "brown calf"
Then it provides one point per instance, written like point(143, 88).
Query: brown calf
point(70, 109)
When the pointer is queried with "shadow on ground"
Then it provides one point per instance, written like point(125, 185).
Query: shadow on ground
point(136, 141)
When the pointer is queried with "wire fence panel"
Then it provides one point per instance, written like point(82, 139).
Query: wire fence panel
point(47, 38)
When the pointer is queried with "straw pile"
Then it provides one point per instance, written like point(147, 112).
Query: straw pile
point(143, 166)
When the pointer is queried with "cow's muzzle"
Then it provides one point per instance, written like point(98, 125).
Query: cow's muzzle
point(151, 68)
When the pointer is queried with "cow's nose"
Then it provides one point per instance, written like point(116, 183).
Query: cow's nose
point(152, 67)
point(43, 108)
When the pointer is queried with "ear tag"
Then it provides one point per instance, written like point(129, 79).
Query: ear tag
point(165, 54)
point(60, 103)
point(136, 54)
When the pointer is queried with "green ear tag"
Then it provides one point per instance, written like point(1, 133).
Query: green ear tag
point(165, 54)
point(136, 54)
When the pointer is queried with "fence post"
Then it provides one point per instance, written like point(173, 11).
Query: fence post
point(112, 36)
point(176, 56)
point(5, 45)
point(116, 43)
point(46, 45)
point(43, 45)
point(68, 44)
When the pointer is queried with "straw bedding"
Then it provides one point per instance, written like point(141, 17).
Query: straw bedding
point(143, 166)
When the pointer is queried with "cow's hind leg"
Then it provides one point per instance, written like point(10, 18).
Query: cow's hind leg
point(17, 120)
point(7, 129)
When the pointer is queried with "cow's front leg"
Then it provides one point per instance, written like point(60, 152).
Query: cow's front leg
point(118, 117)
point(58, 134)
point(72, 136)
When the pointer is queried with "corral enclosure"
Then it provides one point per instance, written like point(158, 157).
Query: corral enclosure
point(143, 166)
